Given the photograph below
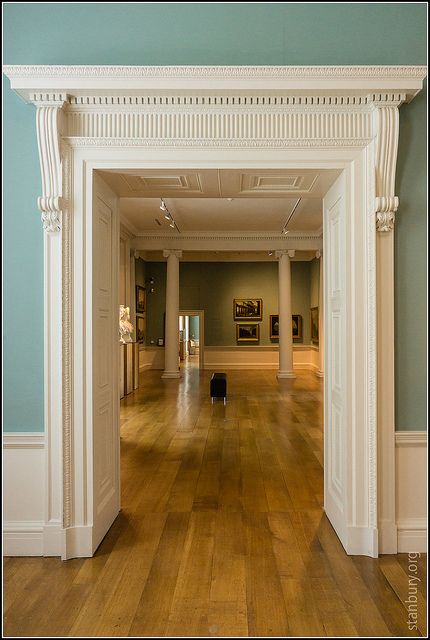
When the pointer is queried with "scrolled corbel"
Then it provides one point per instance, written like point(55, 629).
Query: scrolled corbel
point(386, 213)
point(386, 121)
point(49, 124)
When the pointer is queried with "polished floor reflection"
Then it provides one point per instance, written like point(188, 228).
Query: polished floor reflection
point(222, 531)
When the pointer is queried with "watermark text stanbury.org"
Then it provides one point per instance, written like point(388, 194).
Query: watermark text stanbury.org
point(412, 600)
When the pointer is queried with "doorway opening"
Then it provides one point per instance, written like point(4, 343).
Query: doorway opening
point(191, 339)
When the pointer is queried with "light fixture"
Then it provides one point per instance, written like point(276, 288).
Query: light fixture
point(270, 253)
point(285, 230)
point(168, 215)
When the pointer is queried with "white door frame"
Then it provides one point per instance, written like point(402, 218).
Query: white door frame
point(201, 314)
point(91, 118)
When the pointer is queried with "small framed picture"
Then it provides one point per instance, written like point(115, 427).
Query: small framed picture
point(248, 309)
point(140, 329)
point(274, 327)
point(297, 324)
point(315, 325)
point(247, 332)
point(140, 299)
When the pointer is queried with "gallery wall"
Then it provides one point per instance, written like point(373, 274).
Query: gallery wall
point(204, 33)
point(212, 286)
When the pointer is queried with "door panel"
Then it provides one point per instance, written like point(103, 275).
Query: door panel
point(106, 489)
point(335, 388)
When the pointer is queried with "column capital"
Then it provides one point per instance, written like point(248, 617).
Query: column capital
point(172, 252)
point(286, 252)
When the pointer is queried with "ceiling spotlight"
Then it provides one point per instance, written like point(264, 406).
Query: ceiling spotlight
point(230, 199)
point(285, 231)
point(270, 253)
point(162, 205)
point(167, 215)
point(172, 224)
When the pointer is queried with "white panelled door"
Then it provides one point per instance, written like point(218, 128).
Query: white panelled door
point(335, 365)
point(106, 481)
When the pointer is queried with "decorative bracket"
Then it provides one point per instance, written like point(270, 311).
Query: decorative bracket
point(387, 138)
point(49, 124)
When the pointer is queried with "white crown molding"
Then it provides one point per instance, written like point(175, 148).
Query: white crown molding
point(197, 235)
point(350, 79)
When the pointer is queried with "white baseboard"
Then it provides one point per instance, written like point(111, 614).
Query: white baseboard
point(412, 536)
point(411, 491)
point(23, 494)
point(362, 541)
point(24, 538)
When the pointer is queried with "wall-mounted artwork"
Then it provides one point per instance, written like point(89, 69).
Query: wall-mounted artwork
point(274, 327)
point(297, 327)
point(140, 299)
point(140, 329)
point(314, 325)
point(297, 324)
point(248, 309)
point(247, 332)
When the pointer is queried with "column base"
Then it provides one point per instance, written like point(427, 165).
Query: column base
point(319, 373)
point(281, 375)
point(170, 374)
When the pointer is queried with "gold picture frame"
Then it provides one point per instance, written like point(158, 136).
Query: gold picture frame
point(248, 332)
point(315, 325)
point(248, 308)
point(296, 324)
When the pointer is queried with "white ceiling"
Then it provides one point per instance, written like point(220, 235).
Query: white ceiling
point(221, 200)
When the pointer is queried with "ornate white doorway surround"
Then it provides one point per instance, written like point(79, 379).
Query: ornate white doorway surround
point(344, 118)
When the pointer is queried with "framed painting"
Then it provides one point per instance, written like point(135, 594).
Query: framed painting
point(140, 299)
point(140, 329)
point(248, 309)
point(315, 325)
point(274, 327)
point(297, 324)
point(247, 332)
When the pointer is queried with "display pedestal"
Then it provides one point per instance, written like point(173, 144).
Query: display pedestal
point(128, 368)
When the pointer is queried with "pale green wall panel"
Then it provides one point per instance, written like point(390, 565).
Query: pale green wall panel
point(212, 286)
point(22, 270)
point(314, 282)
point(203, 33)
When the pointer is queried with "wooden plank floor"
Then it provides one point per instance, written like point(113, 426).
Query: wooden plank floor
point(221, 532)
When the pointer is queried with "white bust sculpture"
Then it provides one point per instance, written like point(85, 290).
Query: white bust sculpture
point(125, 326)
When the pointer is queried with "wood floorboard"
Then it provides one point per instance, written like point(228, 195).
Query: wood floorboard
point(222, 531)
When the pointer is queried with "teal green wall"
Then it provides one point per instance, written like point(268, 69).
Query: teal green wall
point(195, 327)
point(203, 33)
point(212, 286)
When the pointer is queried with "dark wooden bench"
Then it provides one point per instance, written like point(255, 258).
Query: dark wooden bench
point(219, 386)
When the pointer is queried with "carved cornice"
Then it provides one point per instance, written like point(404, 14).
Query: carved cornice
point(232, 236)
point(218, 142)
point(49, 124)
point(387, 136)
point(216, 71)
